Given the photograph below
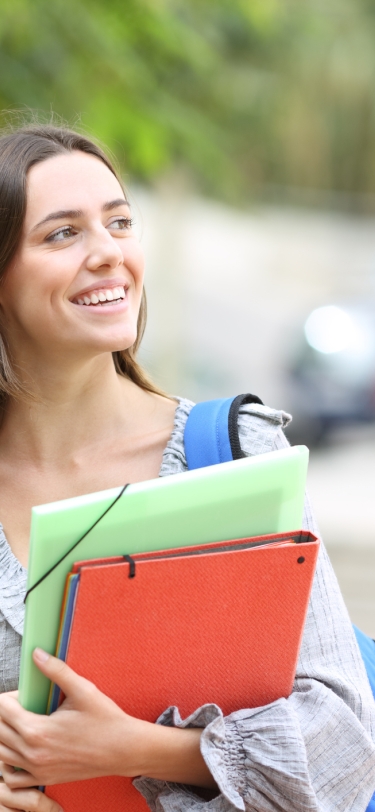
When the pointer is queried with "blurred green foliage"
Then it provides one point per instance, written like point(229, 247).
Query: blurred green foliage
point(246, 94)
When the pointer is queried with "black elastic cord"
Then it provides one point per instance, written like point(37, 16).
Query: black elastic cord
point(131, 563)
point(75, 543)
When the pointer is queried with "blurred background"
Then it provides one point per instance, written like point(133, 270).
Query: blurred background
point(246, 133)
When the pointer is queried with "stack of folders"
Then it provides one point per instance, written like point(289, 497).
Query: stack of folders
point(217, 623)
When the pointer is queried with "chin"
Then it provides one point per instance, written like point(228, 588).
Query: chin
point(113, 343)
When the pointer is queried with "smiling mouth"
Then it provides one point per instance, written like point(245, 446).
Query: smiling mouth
point(101, 297)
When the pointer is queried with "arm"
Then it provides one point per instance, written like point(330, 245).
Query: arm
point(315, 751)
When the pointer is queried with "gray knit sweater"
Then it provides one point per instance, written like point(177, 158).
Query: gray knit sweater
point(313, 752)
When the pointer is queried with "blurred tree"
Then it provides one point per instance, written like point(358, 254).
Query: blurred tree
point(247, 94)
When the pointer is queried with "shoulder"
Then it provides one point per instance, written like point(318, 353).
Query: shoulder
point(174, 459)
point(260, 430)
point(13, 577)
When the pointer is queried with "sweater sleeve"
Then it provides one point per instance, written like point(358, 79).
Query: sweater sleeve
point(312, 752)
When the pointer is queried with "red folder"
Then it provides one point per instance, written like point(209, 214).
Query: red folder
point(216, 624)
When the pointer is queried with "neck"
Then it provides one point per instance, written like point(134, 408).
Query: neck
point(72, 407)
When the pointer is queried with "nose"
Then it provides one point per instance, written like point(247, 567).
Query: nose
point(103, 251)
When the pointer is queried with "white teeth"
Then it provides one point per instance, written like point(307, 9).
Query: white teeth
point(102, 296)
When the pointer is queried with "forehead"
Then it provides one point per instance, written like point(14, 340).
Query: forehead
point(71, 181)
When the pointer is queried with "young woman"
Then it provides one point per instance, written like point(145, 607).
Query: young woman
point(79, 415)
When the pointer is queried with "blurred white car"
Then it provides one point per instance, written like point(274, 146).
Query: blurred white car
point(333, 375)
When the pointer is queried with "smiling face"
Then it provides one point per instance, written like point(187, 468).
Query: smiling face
point(75, 284)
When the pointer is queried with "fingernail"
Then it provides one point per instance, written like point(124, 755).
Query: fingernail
point(41, 655)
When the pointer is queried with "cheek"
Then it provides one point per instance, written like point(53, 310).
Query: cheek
point(134, 260)
point(24, 295)
point(25, 279)
point(14, 294)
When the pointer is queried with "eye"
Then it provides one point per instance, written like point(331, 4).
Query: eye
point(121, 224)
point(61, 234)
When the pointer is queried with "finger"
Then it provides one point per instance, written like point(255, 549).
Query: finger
point(28, 800)
point(59, 672)
point(9, 756)
point(8, 736)
point(11, 693)
point(11, 712)
point(16, 779)
point(8, 695)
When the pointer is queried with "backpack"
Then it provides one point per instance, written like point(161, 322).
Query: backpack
point(211, 437)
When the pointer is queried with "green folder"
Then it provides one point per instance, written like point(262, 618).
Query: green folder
point(247, 497)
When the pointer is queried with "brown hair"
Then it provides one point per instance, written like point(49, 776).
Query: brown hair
point(20, 149)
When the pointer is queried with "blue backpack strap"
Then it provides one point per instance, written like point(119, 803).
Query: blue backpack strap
point(211, 431)
point(367, 649)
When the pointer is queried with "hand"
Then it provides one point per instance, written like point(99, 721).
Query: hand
point(27, 800)
point(88, 736)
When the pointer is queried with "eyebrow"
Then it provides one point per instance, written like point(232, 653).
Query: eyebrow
point(74, 214)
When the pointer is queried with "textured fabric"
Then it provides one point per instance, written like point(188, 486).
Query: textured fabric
point(12, 591)
point(314, 752)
